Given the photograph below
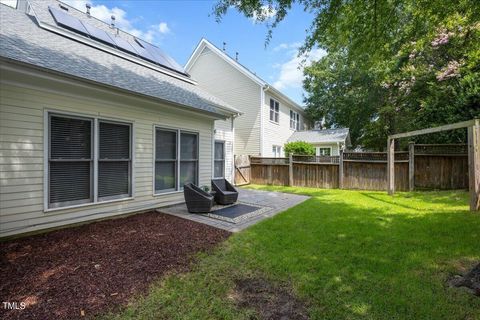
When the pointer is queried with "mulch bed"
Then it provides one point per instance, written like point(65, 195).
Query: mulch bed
point(95, 268)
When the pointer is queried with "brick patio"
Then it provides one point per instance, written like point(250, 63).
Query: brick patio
point(271, 203)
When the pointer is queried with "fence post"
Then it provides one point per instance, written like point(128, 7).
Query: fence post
point(340, 170)
point(411, 166)
point(474, 165)
point(391, 166)
point(290, 170)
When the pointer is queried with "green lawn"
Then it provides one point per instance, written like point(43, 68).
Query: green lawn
point(347, 254)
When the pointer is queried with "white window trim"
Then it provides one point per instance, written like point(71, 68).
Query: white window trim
point(274, 112)
point(295, 122)
point(179, 188)
point(318, 150)
point(224, 159)
point(46, 151)
point(278, 151)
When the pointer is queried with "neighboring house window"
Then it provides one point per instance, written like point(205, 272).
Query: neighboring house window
point(176, 159)
point(219, 161)
point(325, 151)
point(294, 120)
point(274, 110)
point(72, 160)
point(277, 151)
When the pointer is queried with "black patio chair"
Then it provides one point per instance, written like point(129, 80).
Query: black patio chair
point(197, 200)
point(225, 193)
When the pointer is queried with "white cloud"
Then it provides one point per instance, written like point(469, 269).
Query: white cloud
point(105, 13)
point(285, 46)
point(291, 72)
point(267, 12)
point(163, 28)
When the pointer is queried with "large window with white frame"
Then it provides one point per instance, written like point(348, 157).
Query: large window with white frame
point(176, 159)
point(219, 160)
point(89, 160)
point(274, 110)
point(294, 120)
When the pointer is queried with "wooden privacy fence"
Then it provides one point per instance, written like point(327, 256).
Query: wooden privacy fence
point(422, 167)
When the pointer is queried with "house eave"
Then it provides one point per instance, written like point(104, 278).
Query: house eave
point(7, 64)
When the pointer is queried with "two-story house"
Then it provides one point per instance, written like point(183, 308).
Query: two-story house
point(268, 117)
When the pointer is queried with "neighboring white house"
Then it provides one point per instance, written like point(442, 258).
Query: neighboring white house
point(327, 142)
point(268, 116)
point(93, 121)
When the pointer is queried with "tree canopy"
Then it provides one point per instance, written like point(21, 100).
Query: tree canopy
point(391, 65)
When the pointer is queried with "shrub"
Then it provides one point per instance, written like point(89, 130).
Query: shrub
point(299, 148)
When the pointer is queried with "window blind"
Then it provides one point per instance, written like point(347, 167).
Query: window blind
point(70, 161)
point(114, 161)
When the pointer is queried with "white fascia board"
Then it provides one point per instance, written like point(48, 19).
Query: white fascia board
point(205, 43)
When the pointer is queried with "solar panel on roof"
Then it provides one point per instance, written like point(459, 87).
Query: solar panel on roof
point(160, 56)
point(124, 45)
point(66, 20)
point(138, 47)
point(142, 52)
point(98, 34)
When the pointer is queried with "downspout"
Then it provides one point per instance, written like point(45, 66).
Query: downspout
point(262, 124)
point(232, 170)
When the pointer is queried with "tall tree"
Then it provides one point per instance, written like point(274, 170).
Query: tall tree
point(391, 65)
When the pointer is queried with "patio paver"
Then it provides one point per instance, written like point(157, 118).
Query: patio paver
point(274, 202)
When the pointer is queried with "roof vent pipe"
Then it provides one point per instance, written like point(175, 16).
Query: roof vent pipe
point(112, 25)
point(88, 6)
point(236, 56)
point(224, 46)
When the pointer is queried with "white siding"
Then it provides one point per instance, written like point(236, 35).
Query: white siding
point(23, 100)
point(224, 132)
point(224, 81)
point(277, 133)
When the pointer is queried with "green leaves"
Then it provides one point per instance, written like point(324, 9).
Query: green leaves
point(299, 148)
point(391, 65)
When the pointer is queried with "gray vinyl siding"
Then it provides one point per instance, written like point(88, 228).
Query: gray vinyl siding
point(227, 83)
point(277, 133)
point(23, 102)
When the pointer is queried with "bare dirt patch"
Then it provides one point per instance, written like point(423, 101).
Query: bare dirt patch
point(268, 301)
point(470, 281)
point(91, 269)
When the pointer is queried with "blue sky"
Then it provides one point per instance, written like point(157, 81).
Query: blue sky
point(178, 26)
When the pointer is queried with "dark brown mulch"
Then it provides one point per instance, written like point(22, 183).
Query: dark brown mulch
point(269, 302)
point(471, 280)
point(94, 268)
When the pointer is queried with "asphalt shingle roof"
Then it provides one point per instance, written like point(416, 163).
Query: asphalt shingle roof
point(320, 136)
point(23, 40)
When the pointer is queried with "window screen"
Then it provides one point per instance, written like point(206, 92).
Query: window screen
point(165, 160)
point(70, 161)
point(294, 120)
point(219, 161)
point(114, 160)
point(274, 110)
point(188, 158)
